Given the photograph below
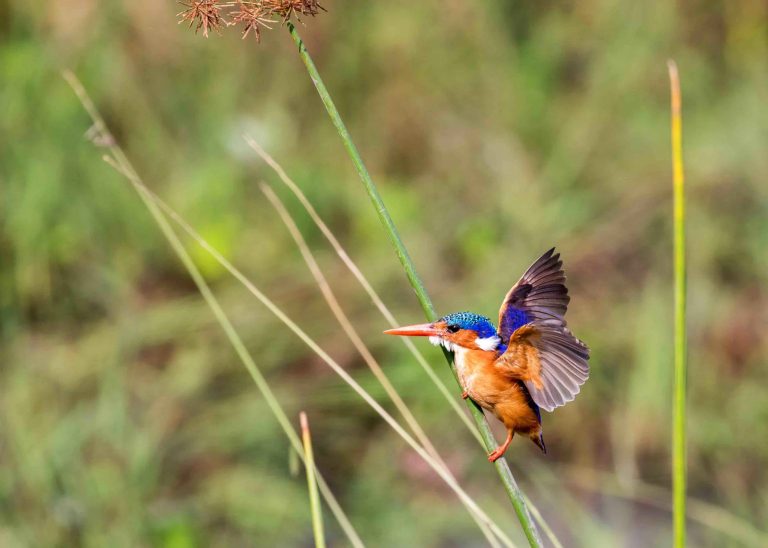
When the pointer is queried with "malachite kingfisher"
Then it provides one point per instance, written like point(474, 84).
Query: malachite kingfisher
point(530, 362)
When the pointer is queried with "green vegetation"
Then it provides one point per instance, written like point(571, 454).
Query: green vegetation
point(493, 130)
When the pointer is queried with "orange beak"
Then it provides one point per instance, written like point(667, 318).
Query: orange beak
point(418, 330)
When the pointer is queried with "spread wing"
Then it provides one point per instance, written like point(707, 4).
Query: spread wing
point(540, 350)
point(549, 360)
point(539, 296)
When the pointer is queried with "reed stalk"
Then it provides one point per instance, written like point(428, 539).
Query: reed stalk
point(314, 499)
point(502, 467)
point(681, 344)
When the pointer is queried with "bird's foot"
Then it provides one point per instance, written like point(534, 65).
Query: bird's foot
point(493, 456)
point(464, 395)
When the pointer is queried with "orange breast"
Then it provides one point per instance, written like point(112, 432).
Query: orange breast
point(494, 391)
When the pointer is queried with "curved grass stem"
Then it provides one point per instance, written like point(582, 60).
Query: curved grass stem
point(508, 480)
point(121, 163)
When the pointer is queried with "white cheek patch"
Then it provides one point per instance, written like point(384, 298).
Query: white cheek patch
point(488, 343)
point(435, 341)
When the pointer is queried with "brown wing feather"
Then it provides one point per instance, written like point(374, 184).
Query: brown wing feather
point(550, 360)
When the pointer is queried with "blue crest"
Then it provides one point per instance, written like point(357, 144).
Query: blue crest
point(469, 320)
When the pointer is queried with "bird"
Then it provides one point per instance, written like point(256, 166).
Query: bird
point(530, 362)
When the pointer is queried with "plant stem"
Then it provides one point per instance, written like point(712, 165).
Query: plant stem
point(314, 499)
point(365, 177)
point(510, 485)
point(120, 162)
point(678, 425)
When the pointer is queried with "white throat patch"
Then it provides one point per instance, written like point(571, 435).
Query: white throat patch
point(488, 343)
point(437, 341)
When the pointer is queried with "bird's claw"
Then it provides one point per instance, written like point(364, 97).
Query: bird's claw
point(464, 395)
point(493, 456)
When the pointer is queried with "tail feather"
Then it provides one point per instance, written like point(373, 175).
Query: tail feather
point(538, 439)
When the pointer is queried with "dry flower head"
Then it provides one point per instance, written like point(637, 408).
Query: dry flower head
point(203, 12)
point(250, 15)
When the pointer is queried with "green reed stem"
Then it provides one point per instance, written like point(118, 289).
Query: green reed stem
point(679, 398)
point(314, 499)
point(508, 480)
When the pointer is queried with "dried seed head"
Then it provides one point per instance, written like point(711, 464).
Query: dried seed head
point(203, 12)
point(253, 17)
point(288, 8)
point(252, 14)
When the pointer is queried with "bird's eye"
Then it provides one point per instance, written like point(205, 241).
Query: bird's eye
point(453, 328)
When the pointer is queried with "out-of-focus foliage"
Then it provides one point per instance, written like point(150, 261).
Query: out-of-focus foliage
point(495, 130)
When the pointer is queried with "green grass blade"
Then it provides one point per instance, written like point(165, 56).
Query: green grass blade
point(510, 485)
point(362, 171)
point(314, 499)
point(121, 163)
point(679, 398)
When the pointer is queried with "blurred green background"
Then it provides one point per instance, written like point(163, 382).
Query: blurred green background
point(495, 130)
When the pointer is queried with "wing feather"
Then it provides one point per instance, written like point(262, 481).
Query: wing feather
point(539, 295)
point(550, 360)
point(540, 350)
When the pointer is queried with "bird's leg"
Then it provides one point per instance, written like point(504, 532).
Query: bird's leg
point(495, 455)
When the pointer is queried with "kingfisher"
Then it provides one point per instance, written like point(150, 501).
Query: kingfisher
point(530, 362)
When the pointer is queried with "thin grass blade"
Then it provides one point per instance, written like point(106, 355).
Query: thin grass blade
point(120, 162)
point(314, 499)
point(681, 343)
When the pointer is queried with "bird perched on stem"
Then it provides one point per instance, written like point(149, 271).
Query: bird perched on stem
point(531, 362)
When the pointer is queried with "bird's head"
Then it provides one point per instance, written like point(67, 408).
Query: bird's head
point(455, 331)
